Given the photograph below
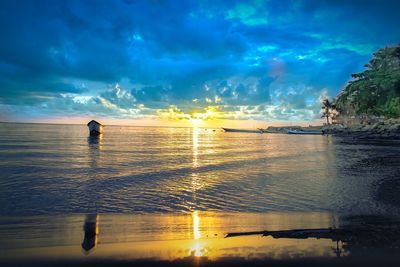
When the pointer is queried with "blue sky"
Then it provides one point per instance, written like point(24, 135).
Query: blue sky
point(182, 61)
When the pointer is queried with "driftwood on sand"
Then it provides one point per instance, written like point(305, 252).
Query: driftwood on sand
point(329, 233)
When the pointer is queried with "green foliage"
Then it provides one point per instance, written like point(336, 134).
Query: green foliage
point(391, 108)
point(326, 110)
point(375, 91)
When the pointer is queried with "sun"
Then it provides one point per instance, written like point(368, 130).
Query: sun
point(196, 122)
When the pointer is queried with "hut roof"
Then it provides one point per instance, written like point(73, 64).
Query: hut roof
point(93, 121)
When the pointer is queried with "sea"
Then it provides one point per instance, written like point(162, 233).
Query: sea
point(172, 193)
point(50, 169)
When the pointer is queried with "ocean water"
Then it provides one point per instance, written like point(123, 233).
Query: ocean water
point(57, 169)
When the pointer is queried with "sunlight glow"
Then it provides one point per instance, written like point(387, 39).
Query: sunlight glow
point(196, 121)
point(208, 116)
point(196, 221)
point(197, 248)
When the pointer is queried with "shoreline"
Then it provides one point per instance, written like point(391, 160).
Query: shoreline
point(387, 129)
point(383, 130)
point(366, 240)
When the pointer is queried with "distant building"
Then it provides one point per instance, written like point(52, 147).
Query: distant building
point(95, 128)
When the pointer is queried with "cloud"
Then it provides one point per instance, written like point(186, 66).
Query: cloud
point(132, 59)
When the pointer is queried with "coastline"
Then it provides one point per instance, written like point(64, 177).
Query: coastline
point(386, 129)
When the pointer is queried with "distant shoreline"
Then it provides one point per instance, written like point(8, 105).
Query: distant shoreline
point(387, 129)
point(108, 125)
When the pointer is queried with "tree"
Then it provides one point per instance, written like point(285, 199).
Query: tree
point(376, 90)
point(326, 110)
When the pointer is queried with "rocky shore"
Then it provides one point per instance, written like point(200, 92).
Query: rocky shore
point(386, 129)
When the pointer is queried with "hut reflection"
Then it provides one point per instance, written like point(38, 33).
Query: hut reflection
point(91, 230)
point(95, 142)
point(91, 223)
point(94, 153)
point(95, 145)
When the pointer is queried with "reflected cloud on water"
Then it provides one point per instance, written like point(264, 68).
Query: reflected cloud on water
point(201, 236)
point(354, 237)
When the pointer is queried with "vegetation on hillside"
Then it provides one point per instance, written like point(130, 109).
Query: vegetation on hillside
point(375, 91)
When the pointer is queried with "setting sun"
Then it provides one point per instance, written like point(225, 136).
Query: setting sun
point(196, 122)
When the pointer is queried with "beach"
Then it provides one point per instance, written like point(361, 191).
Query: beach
point(162, 196)
point(162, 240)
point(186, 239)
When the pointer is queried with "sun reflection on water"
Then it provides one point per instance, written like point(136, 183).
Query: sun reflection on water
point(196, 221)
point(197, 249)
point(195, 183)
point(195, 147)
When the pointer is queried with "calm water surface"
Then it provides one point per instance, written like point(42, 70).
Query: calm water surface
point(58, 169)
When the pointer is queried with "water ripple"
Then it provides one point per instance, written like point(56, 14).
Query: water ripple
point(51, 169)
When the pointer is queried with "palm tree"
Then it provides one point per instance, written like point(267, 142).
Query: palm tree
point(327, 106)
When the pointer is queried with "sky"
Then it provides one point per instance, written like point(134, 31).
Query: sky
point(184, 63)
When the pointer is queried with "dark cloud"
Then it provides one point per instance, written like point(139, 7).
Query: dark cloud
point(63, 55)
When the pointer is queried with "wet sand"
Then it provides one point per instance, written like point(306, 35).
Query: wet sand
point(368, 260)
point(388, 189)
point(195, 239)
